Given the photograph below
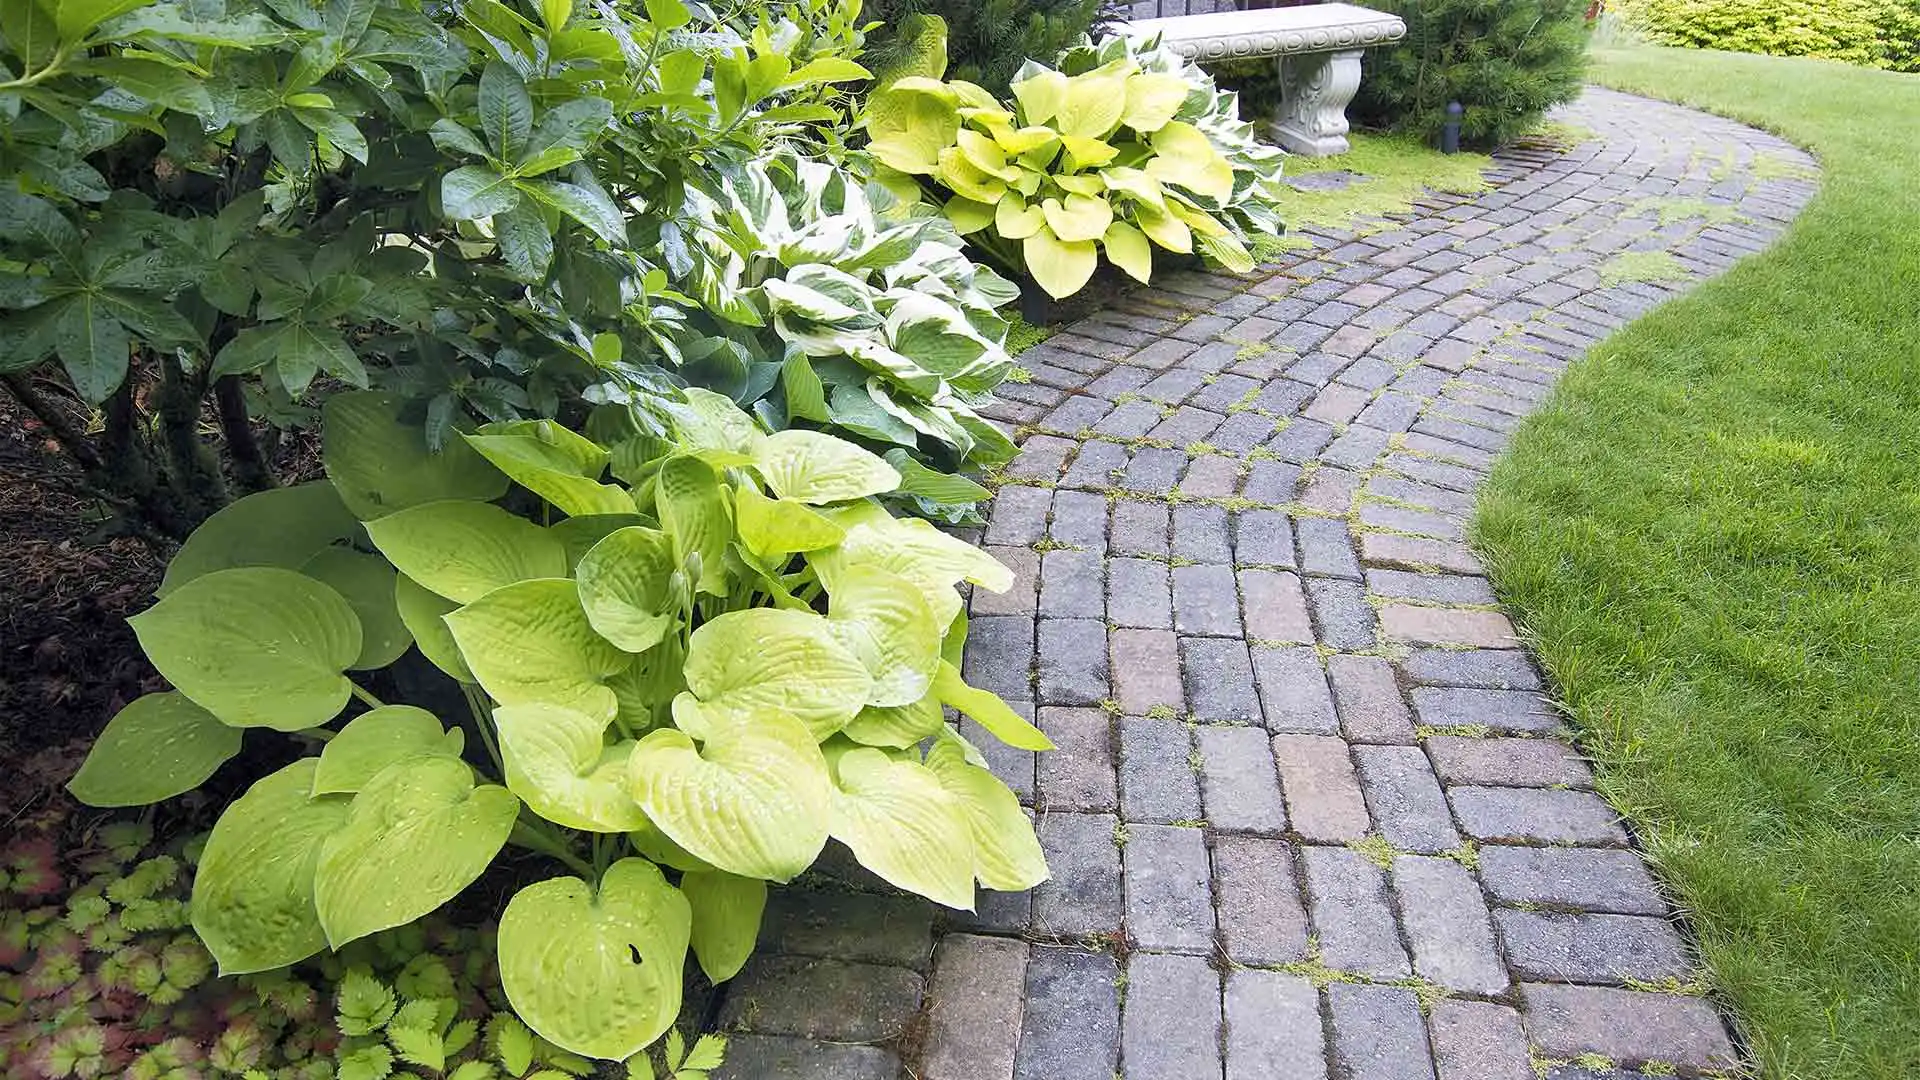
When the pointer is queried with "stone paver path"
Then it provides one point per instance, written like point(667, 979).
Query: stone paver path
point(1312, 816)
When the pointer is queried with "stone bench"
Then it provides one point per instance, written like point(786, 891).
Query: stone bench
point(1319, 55)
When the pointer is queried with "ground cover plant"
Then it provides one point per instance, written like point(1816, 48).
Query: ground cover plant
point(1709, 536)
point(659, 703)
point(1120, 150)
point(1876, 33)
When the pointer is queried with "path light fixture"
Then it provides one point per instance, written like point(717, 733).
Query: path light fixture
point(1450, 131)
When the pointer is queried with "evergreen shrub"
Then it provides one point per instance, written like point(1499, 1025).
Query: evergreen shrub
point(1874, 33)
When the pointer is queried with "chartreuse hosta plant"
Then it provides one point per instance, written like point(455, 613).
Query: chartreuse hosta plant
point(694, 652)
point(887, 329)
point(1114, 159)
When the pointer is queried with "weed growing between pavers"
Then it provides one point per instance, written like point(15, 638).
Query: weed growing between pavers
point(1648, 266)
point(1390, 173)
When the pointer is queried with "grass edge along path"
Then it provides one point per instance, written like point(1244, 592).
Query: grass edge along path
point(1712, 535)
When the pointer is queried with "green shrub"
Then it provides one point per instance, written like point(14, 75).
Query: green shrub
point(1506, 61)
point(986, 41)
point(659, 706)
point(1875, 33)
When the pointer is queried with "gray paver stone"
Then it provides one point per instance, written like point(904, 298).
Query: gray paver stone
point(1378, 1033)
point(1630, 1026)
point(1239, 787)
point(1586, 948)
point(1446, 921)
point(1293, 690)
point(1079, 773)
point(1072, 585)
point(1340, 608)
point(975, 999)
point(1501, 710)
point(1405, 798)
point(776, 1057)
point(1586, 879)
point(1138, 594)
point(1171, 1021)
point(1348, 899)
point(1146, 671)
point(1072, 1027)
point(1275, 606)
point(1157, 781)
point(1218, 675)
point(999, 655)
point(812, 998)
point(1508, 762)
point(1169, 904)
point(1478, 1040)
point(1324, 804)
point(1535, 815)
point(1083, 895)
point(839, 925)
point(1273, 1027)
point(1072, 661)
point(1368, 700)
point(1205, 601)
point(1262, 917)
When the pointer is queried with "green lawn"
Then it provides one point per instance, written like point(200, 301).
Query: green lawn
point(1713, 533)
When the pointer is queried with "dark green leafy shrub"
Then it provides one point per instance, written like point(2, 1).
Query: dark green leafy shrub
point(986, 40)
point(1875, 33)
point(1507, 61)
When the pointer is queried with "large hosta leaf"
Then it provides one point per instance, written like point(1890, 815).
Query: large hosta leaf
point(1060, 267)
point(904, 825)
point(281, 527)
point(554, 463)
point(253, 891)
point(896, 726)
point(768, 660)
point(910, 122)
point(531, 641)
point(1128, 249)
point(415, 835)
point(464, 550)
point(1184, 155)
point(1091, 106)
point(1152, 99)
point(597, 972)
point(366, 582)
point(814, 467)
point(627, 589)
point(376, 739)
point(726, 919)
point(772, 527)
point(424, 611)
point(693, 508)
point(559, 762)
point(1006, 853)
point(885, 620)
point(256, 646)
point(915, 550)
point(159, 746)
point(382, 464)
point(754, 799)
point(988, 710)
point(1081, 217)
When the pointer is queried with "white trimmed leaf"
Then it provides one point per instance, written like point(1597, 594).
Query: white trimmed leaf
point(159, 746)
point(727, 909)
point(1006, 853)
point(559, 762)
point(376, 739)
point(903, 825)
point(531, 641)
point(464, 550)
point(816, 468)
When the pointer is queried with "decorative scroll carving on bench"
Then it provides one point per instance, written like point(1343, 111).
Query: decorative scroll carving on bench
point(1318, 50)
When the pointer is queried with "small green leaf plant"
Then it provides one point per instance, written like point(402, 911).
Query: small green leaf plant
point(692, 652)
point(1125, 148)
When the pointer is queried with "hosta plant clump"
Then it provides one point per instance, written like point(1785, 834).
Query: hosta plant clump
point(1123, 149)
point(692, 652)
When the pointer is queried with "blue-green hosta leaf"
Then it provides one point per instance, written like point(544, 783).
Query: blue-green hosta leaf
point(381, 463)
point(915, 550)
point(1006, 853)
point(905, 826)
point(367, 583)
point(554, 463)
point(988, 710)
point(768, 660)
point(726, 919)
point(465, 550)
point(376, 739)
point(773, 527)
point(753, 799)
point(424, 612)
point(281, 527)
point(597, 972)
point(896, 726)
point(814, 467)
point(559, 762)
point(531, 641)
point(695, 513)
point(253, 891)
point(885, 620)
point(257, 646)
point(159, 746)
point(626, 587)
point(415, 835)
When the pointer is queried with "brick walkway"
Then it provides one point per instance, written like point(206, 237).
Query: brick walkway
point(1311, 816)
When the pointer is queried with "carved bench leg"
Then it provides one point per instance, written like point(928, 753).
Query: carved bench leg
point(1314, 91)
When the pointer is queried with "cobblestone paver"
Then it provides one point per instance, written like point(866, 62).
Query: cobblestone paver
point(1311, 815)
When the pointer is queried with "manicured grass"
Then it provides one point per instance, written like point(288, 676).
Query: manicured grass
point(1713, 533)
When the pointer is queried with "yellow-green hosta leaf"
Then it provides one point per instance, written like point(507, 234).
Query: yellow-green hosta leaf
point(1128, 249)
point(627, 589)
point(1183, 155)
point(1163, 228)
point(1078, 218)
point(559, 465)
point(967, 179)
point(1202, 223)
point(885, 620)
point(558, 761)
point(896, 726)
point(904, 825)
point(1006, 853)
point(376, 739)
point(915, 550)
point(1015, 220)
point(985, 154)
point(597, 972)
point(972, 95)
point(726, 919)
point(769, 660)
point(464, 550)
point(712, 422)
point(1136, 185)
point(281, 527)
point(424, 611)
point(753, 799)
point(256, 647)
point(1085, 152)
point(577, 535)
point(1060, 267)
point(253, 890)
point(1017, 142)
point(815, 468)
point(366, 582)
point(1092, 106)
point(1081, 184)
point(415, 835)
point(382, 464)
point(531, 641)
point(1040, 96)
point(988, 710)
point(1228, 251)
point(660, 848)
point(1032, 179)
point(772, 527)
point(645, 689)
point(159, 746)
point(1152, 99)
point(910, 122)
point(968, 217)
point(693, 507)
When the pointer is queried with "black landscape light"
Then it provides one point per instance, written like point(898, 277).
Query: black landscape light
point(1450, 131)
